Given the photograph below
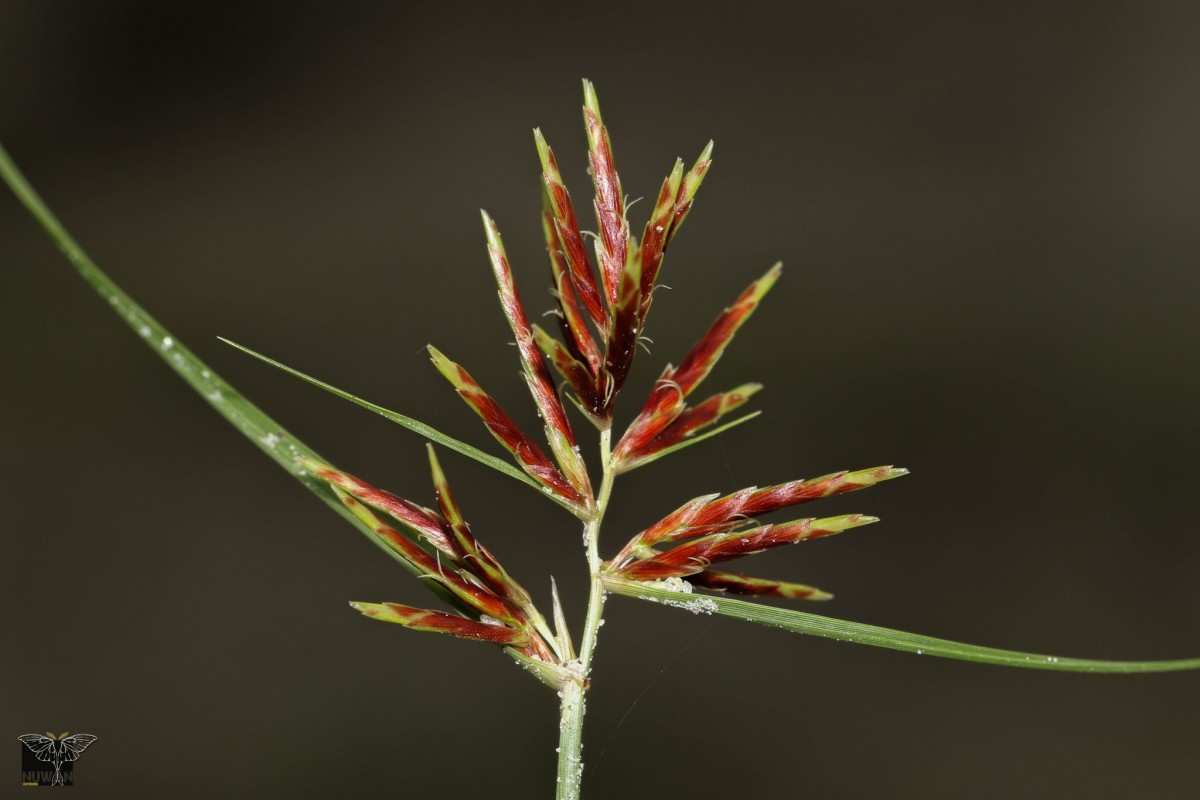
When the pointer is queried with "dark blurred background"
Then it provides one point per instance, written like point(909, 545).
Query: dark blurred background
point(987, 216)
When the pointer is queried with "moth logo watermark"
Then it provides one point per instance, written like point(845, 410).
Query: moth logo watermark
point(39, 753)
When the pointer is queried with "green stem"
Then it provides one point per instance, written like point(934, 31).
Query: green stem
point(570, 740)
point(595, 610)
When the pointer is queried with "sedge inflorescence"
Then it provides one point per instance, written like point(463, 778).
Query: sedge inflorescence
point(602, 302)
point(601, 313)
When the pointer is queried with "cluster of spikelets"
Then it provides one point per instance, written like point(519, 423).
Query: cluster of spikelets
point(439, 545)
point(721, 528)
point(600, 323)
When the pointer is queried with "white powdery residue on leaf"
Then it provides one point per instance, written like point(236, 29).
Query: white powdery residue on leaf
point(673, 584)
point(701, 605)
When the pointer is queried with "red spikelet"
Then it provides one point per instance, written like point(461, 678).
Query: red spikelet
point(420, 619)
point(696, 556)
point(523, 449)
point(537, 376)
point(566, 232)
point(716, 580)
point(609, 202)
point(667, 399)
point(674, 202)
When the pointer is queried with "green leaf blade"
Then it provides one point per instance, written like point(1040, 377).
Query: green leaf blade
point(860, 633)
point(263, 432)
point(416, 426)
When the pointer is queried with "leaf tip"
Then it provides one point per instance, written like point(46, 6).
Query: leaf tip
point(434, 465)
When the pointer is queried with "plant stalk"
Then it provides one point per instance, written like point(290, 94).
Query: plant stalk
point(571, 710)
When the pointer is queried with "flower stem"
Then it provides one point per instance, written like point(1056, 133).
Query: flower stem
point(570, 740)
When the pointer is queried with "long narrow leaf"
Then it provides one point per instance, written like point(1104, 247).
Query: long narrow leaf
point(859, 633)
point(413, 425)
point(262, 431)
